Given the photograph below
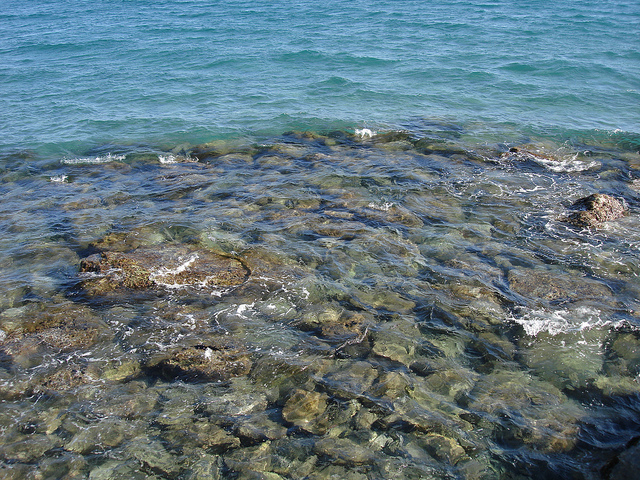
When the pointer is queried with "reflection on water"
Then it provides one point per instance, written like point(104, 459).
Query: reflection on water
point(386, 305)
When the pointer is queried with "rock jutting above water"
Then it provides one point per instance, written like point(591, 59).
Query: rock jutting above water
point(595, 210)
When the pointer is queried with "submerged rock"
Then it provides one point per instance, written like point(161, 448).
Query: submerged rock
point(556, 287)
point(626, 464)
point(259, 428)
point(103, 435)
point(242, 398)
point(570, 360)
point(306, 409)
point(443, 448)
point(350, 379)
point(527, 411)
point(152, 454)
point(61, 381)
point(199, 434)
point(202, 363)
point(595, 209)
point(168, 266)
point(38, 329)
point(343, 451)
point(623, 354)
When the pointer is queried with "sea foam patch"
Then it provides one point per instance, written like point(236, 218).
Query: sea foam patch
point(93, 160)
point(567, 165)
point(560, 321)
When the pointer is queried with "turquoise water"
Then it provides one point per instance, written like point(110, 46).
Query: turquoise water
point(267, 240)
point(84, 73)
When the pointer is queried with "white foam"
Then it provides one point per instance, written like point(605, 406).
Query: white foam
point(567, 165)
point(190, 321)
point(364, 133)
point(93, 160)
point(244, 307)
point(208, 354)
point(181, 268)
point(164, 272)
point(164, 159)
point(383, 207)
point(171, 158)
point(560, 321)
point(59, 178)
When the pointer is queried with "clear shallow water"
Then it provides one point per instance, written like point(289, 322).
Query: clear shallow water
point(401, 302)
point(403, 306)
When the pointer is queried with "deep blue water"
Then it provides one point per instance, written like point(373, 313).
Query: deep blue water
point(81, 73)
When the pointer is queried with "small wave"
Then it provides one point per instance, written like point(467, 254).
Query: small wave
point(93, 160)
point(59, 178)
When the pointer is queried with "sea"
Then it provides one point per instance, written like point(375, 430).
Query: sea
point(313, 240)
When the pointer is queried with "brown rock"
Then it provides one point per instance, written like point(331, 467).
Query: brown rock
point(164, 266)
point(61, 381)
point(203, 363)
point(306, 409)
point(595, 209)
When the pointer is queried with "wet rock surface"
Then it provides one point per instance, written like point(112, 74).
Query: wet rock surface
point(211, 362)
point(59, 326)
point(163, 266)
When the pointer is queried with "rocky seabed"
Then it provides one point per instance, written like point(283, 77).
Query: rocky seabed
point(323, 306)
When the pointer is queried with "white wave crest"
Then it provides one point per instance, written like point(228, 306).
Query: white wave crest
point(166, 159)
point(170, 159)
